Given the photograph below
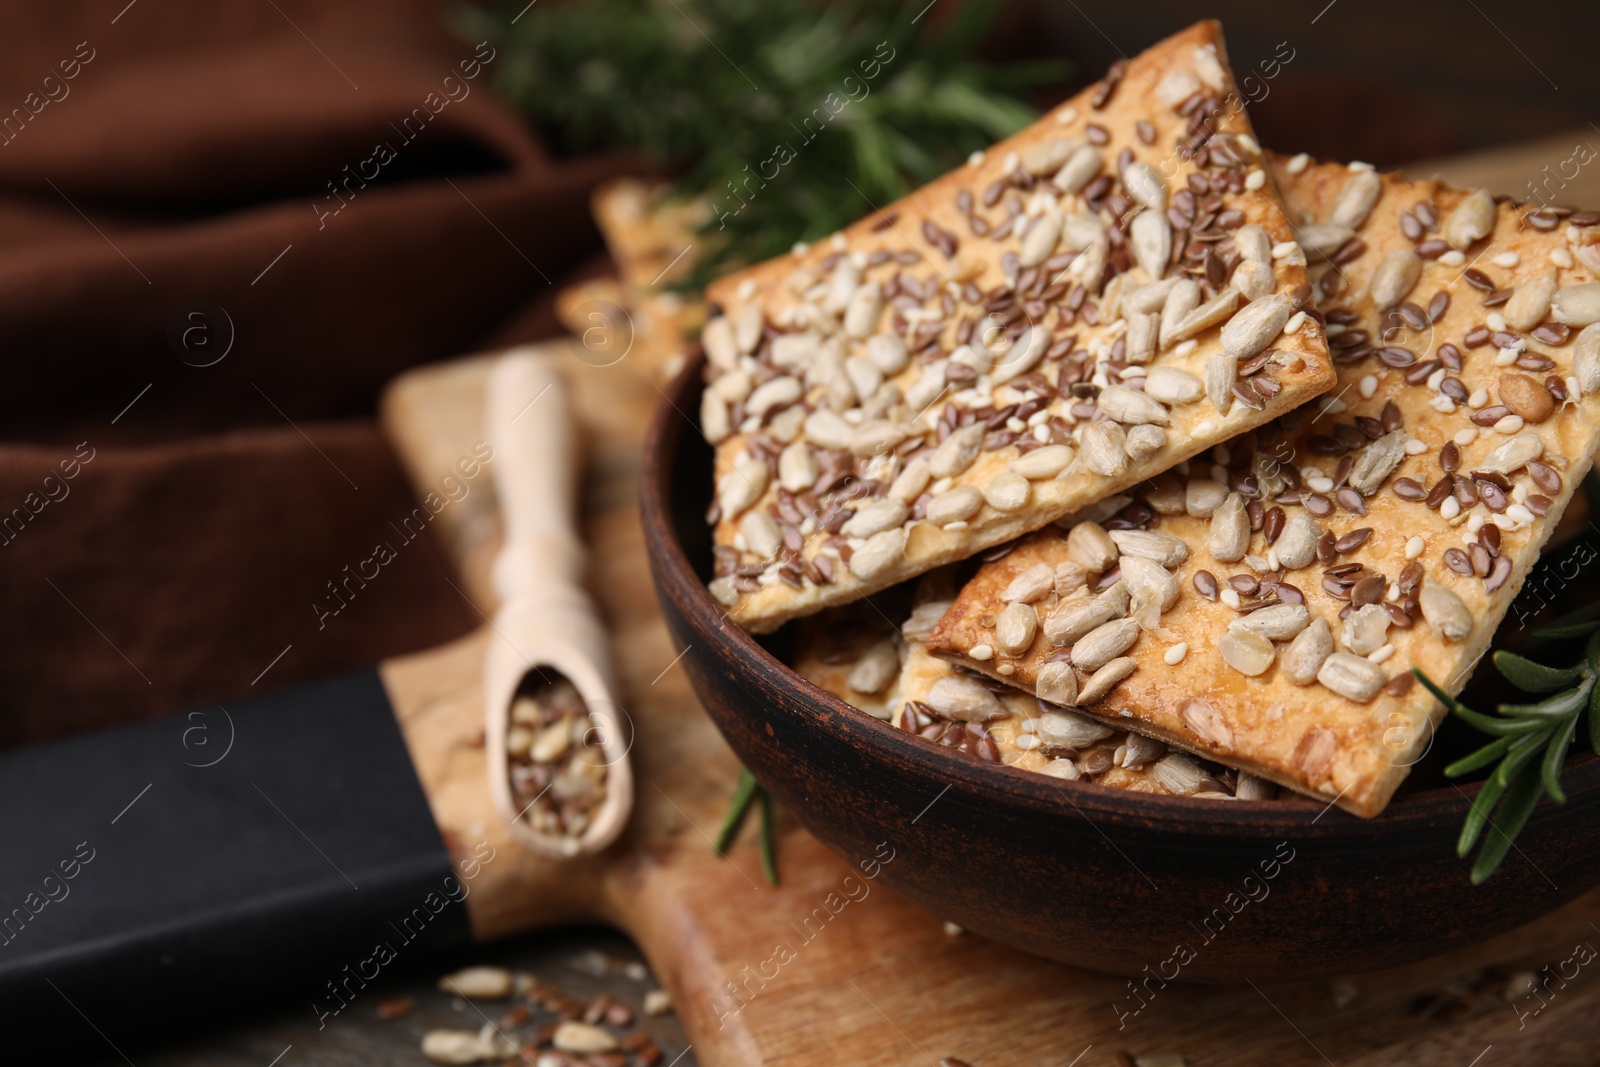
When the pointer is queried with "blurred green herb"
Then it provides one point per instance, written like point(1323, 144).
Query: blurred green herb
point(770, 110)
point(745, 792)
point(1530, 740)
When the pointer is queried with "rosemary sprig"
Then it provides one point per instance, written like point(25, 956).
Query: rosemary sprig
point(1530, 740)
point(768, 110)
point(746, 791)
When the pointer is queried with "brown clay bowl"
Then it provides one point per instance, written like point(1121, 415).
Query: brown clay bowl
point(1089, 875)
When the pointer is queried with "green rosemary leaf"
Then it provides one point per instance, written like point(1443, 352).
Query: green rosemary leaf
point(1557, 707)
point(1520, 754)
point(1594, 719)
point(1482, 805)
point(1555, 754)
point(743, 793)
point(1552, 634)
point(1533, 677)
point(1479, 759)
point(769, 837)
point(1519, 802)
point(1497, 727)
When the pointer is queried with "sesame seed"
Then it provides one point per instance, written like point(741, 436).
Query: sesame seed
point(1255, 179)
point(1451, 508)
point(1453, 258)
point(1379, 655)
point(747, 289)
point(1283, 249)
point(1230, 597)
point(980, 652)
point(1297, 320)
point(1415, 446)
point(1465, 436)
point(1507, 259)
point(1321, 485)
point(1067, 115)
point(1478, 398)
point(1176, 653)
point(800, 248)
point(1496, 322)
point(1506, 356)
point(1561, 258)
point(1517, 513)
point(1369, 385)
point(1509, 425)
point(1358, 165)
point(1298, 163)
point(1183, 348)
point(1414, 549)
point(1008, 668)
point(976, 159)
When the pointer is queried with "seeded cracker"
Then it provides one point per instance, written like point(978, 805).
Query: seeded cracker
point(1033, 332)
point(1386, 526)
point(853, 654)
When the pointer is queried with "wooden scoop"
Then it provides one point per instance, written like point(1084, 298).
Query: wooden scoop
point(546, 629)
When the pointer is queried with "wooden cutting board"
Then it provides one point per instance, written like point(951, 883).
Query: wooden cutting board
point(871, 979)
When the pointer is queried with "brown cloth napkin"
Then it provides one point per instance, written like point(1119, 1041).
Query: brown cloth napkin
point(222, 228)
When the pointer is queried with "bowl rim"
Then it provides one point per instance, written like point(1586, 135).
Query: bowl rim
point(1293, 815)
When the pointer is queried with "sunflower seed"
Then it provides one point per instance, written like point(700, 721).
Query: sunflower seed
point(1395, 277)
point(1323, 239)
point(1202, 496)
point(888, 351)
point(1068, 729)
point(1229, 536)
point(1132, 407)
point(1075, 173)
point(1031, 584)
point(717, 338)
point(1103, 447)
point(1472, 220)
point(879, 555)
point(1068, 622)
point(714, 420)
point(1039, 243)
point(1209, 314)
point(1530, 303)
point(1246, 652)
point(1105, 642)
point(1174, 385)
point(1278, 622)
point(828, 429)
point(1222, 374)
point(1512, 455)
point(1091, 547)
point(1102, 681)
point(1145, 441)
point(761, 534)
point(1352, 677)
point(907, 485)
point(1365, 630)
point(1445, 612)
point(1586, 359)
point(465, 1046)
point(1356, 199)
point(1046, 156)
point(1145, 186)
point(742, 486)
point(877, 666)
point(1253, 278)
point(1165, 549)
point(1149, 583)
point(954, 505)
point(1182, 300)
point(957, 452)
point(1253, 243)
point(1305, 654)
point(1576, 305)
point(1178, 774)
point(1377, 461)
point(797, 468)
point(1007, 491)
point(1015, 626)
point(875, 517)
point(1057, 683)
point(1151, 236)
point(478, 983)
point(1149, 298)
point(1142, 750)
point(1252, 788)
point(1046, 462)
point(1206, 722)
point(1297, 545)
point(1255, 326)
point(965, 699)
point(1026, 351)
point(1144, 331)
